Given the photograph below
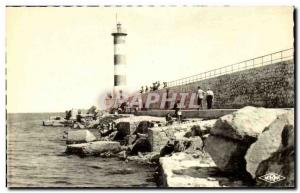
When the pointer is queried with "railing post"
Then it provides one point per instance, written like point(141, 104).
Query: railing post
point(271, 59)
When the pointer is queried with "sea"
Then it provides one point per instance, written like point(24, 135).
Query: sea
point(35, 158)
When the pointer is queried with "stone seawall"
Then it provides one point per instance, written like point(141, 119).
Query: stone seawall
point(269, 86)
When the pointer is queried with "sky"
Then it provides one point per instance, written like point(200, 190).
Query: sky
point(62, 58)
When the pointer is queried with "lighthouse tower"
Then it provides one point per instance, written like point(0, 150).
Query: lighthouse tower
point(119, 35)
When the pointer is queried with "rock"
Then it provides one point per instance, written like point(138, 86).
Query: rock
point(233, 134)
point(130, 139)
point(154, 156)
point(207, 125)
point(183, 170)
point(79, 136)
point(58, 124)
point(54, 123)
point(130, 124)
point(196, 144)
point(122, 155)
point(112, 135)
point(143, 127)
point(159, 136)
point(188, 145)
point(123, 129)
point(93, 124)
point(94, 148)
point(140, 145)
point(151, 157)
point(227, 154)
point(246, 123)
point(134, 124)
point(281, 163)
point(271, 144)
point(78, 126)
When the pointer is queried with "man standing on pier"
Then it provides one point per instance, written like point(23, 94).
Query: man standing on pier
point(209, 98)
point(200, 94)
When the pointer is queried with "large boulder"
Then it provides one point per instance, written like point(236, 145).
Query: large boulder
point(233, 134)
point(273, 150)
point(246, 123)
point(227, 154)
point(134, 124)
point(94, 148)
point(79, 136)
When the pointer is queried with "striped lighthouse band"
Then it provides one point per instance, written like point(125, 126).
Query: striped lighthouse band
point(119, 80)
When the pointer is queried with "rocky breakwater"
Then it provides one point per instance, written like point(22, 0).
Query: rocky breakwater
point(84, 143)
point(253, 142)
point(159, 137)
point(274, 153)
point(183, 161)
point(132, 132)
point(125, 137)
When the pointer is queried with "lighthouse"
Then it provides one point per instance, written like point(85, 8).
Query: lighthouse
point(119, 36)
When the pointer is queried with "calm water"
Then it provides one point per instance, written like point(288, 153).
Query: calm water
point(35, 158)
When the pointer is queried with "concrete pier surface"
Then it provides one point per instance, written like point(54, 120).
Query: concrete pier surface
point(205, 114)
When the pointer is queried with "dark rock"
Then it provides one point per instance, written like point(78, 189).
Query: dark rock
point(141, 145)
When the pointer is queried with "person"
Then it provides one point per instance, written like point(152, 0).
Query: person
point(68, 115)
point(123, 107)
point(200, 94)
point(169, 119)
point(142, 89)
point(209, 98)
point(165, 84)
point(177, 111)
point(79, 117)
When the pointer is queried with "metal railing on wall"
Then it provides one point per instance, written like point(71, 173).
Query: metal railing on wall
point(268, 59)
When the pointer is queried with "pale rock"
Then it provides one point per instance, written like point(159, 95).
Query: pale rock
point(79, 136)
point(246, 123)
point(270, 141)
point(184, 170)
point(94, 148)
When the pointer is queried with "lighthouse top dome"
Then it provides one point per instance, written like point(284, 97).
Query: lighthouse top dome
point(119, 31)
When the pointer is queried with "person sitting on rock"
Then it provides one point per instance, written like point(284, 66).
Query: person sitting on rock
point(169, 119)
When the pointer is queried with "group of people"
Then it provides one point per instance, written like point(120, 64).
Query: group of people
point(209, 97)
point(155, 86)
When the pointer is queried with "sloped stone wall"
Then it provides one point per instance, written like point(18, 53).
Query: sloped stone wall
point(269, 86)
